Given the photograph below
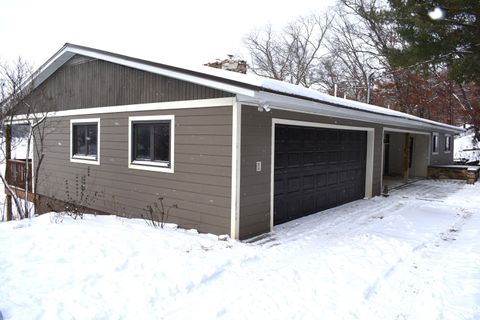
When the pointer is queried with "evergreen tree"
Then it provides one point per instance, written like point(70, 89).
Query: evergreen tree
point(438, 33)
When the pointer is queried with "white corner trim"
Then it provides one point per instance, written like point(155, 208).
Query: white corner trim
point(82, 159)
point(272, 173)
point(235, 190)
point(368, 161)
point(382, 159)
point(156, 106)
point(152, 166)
point(438, 143)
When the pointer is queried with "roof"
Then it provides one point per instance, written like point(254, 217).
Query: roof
point(251, 89)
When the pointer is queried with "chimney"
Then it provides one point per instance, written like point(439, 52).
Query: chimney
point(229, 64)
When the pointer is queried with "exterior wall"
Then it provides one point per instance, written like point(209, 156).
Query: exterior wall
point(87, 83)
point(256, 133)
point(420, 154)
point(397, 142)
point(256, 139)
point(200, 184)
point(442, 158)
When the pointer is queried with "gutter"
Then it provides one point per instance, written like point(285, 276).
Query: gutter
point(289, 102)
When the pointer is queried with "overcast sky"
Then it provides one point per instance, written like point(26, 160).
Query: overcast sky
point(180, 31)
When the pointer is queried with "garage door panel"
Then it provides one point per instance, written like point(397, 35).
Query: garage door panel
point(309, 182)
point(332, 178)
point(294, 184)
point(280, 160)
point(309, 204)
point(278, 187)
point(321, 180)
point(316, 169)
point(294, 159)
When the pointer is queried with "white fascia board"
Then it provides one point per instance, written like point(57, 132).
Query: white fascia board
point(155, 106)
point(287, 103)
point(47, 69)
point(50, 67)
point(165, 72)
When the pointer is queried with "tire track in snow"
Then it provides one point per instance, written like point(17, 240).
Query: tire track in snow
point(341, 227)
point(443, 237)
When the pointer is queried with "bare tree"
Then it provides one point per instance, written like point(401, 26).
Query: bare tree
point(292, 55)
point(352, 59)
point(16, 101)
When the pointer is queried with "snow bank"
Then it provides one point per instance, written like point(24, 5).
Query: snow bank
point(467, 141)
point(413, 255)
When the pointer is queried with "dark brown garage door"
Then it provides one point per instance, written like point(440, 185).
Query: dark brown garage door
point(316, 169)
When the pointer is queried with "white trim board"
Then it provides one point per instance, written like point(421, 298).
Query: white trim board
point(368, 161)
point(236, 162)
point(152, 166)
point(85, 160)
point(156, 106)
point(405, 131)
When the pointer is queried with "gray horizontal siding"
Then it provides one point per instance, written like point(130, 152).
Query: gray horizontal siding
point(200, 185)
point(86, 83)
point(442, 157)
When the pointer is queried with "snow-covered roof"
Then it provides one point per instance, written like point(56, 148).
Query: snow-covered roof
point(251, 89)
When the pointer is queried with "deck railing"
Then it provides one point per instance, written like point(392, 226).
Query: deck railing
point(16, 173)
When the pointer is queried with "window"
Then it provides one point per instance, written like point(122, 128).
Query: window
point(448, 143)
point(85, 141)
point(151, 143)
point(435, 143)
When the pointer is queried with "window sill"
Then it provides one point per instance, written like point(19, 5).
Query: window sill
point(85, 159)
point(151, 166)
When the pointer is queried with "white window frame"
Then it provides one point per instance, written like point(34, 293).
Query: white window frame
point(448, 136)
point(435, 134)
point(149, 165)
point(85, 159)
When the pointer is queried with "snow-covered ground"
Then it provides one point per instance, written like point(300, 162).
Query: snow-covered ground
point(413, 255)
point(464, 143)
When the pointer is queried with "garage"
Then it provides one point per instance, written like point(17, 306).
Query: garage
point(316, 169)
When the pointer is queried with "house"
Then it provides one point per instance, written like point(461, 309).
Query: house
point(237, 153)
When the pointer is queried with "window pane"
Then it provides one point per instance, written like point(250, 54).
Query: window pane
point(162, 142)
point(92, 140)
point(435, 143)
point(80, 143)
point(142, 141)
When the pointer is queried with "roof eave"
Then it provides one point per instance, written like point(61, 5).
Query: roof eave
point(255, 93)
point(286, 102)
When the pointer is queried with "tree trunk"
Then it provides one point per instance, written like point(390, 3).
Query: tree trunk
point(8, 155)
